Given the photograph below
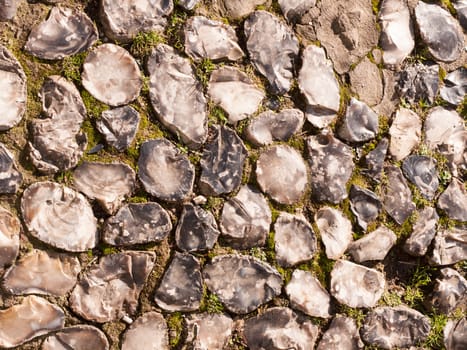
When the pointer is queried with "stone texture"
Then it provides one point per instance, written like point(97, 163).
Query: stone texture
point(461, 9)
point(188, 4)
point(147, 332)
point(205, 38)
point(236, 9)
point(450, 292)
point(177, 96)
point(279, 328)
point(365, 205)
point(453, 201)
point(10, 177)
point(108, 183)
point(242, 283)
point(440, 31)
point(111, 75)
point(367, 82)
point(13, 94)
point(42, 272)
point(137, 223)
point(374, 161)
point(331, 163)
point(293, 10)
point(281, 173)
point(455, 86)
point(235, 92)
point(270, 126)
point(455, 334)
point(109, 290)
point(208, 331)
point(356, 285)
point(405, 131)
point(196, 230)
point(31, 318)
point(422, 172)
point(119, 126)
point(8, 9)
point(59, 216)
point(373, 246)
point(181, 287)
point(66, 32)
point(342, 334)
point(307, 294)
point(423, 232)
point(397, 197)
point(274, 58)
point(10, 228)
point(360, 123)
point(418, 82)
point(80, 337)
point(222, 162)
point(164, 171)
point(246, 219)
point(335, 231)
point(294, 239)
point(449, 246)
point(395, 327)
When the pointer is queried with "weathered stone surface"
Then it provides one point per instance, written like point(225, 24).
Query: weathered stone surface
point(397, 197)
point(331, 163)
point(176, 95)
point(422, 172)
point(59, 216)
point(242, 283)
point(13, 94)
point(405, 131)
point(33, 317)
point(455, 334)
point(450, 246)
point(461, 9)
point(196, 230)
point(42, 272)
point(8, 9)
point(279, 328)
point(395, 327)
point(440, 31)
point(10, 228)
point(454, 201)
point(237, 9)
point(318, 83)
point(274, 58)
point(397, 34)
point(355, 285)
point(80, 337)
point(374, 160)
point(450, 292)
point(57, 143)
point(10, 177)
point(222, 162)
point(269, 126)
point(65, 32)
point(188, 4)
point(455, 86)
point(347, 31)
point(164, 171)
point(147, 332)
point(205, 38)
point(373, 246)
point(360, 123)
point(281, 173)
point(335, 231)
point(246, 219)
point(307, 294)
point(342, 334)
point(110, 290)
point(364, 204)
point(418, 82)
point(294, 239)
point(208, 331)
point(137, 223)
point(366, 81)
point(119, 126)
point(293, 10)
point(123, 20)
point(181, 287)
point(108, 183)
point(234, 91)
point(423, 232)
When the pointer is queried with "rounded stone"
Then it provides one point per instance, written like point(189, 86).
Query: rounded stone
point(80, 337)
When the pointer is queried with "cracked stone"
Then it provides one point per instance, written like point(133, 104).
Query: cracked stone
point(405, 132)
point(80, 337)
point(360, 123)
point(455, 86)
point(450, 246)
point(455, 334)
point(365, 205)
point(397, 197)
point(293, 10)
point(422, 172)
point(147, 332)
point(374, 161)
point(373, 246)
point(453, 201)
point(423, 232)
point(10, 177)
point(418, 82)
point(342, 334)
point(10, 228)
point(208, 331)
point(450, 292)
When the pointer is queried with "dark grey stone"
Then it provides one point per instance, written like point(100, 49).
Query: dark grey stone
point(342, 334)
point(119, 126)
point(450, 292)
point(274, 58)
point(450, 246)
point(196, 230)
point(395, 327)
point(397, 197)
point(461, 9)
point(331, 163)
point(373, 246)
point(360, 123)
point(242, 283)
point(77, 337)
point(222, 162)
point(419, 82)
point(423, 232)
point(422, 172)
point(10, 177)
point(208, 331)
point(279, 328)
point(365, 205)
point(455, 85)
point(374, 160)
point(137, 223)
point(181, 287)
point(453, 201)
point(455, 334)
